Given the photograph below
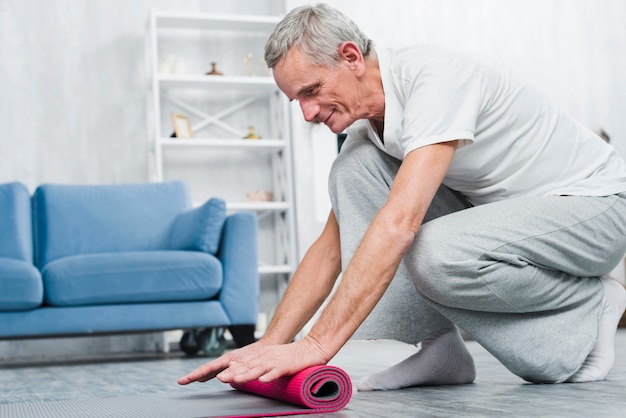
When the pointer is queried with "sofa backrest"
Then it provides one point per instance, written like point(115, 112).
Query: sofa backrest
point(16, 238)
point(77, 219)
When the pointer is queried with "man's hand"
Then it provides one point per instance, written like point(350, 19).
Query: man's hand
point(259, 361)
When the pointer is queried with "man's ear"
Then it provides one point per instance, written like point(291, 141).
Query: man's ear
point(351, 55)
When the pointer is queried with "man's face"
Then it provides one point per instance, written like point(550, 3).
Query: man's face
point(327, 94)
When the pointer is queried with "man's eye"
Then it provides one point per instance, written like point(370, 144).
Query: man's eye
point(310, 92)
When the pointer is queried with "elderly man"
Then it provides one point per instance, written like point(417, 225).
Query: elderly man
point(503, 212)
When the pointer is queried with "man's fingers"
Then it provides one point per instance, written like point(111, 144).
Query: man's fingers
point(211, 375)
point(203, 373)
point(213, 368)
point(272, 374)
point(241, 373)
point(249, 363)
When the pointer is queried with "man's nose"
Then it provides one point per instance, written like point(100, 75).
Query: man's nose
point(310, 110)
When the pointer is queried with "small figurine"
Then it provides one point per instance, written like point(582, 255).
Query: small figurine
point(247, 65)
point(251, 134)
point(260, 196)
point(172, 65)
point(214, 70)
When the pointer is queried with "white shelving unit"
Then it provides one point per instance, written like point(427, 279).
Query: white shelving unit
point(219, 107)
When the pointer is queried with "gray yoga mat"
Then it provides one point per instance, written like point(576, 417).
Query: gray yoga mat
point(212, 404)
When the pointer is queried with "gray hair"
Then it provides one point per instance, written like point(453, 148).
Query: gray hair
point(319, 31)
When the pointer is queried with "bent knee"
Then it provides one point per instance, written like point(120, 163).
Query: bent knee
point(438, 264)
point(555, 371)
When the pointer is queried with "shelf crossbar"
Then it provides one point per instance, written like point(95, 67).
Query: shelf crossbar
point(216, 119)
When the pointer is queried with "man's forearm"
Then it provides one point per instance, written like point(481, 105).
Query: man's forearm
point(309, 287)
point(365, 280)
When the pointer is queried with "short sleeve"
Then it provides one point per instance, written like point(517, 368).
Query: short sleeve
point(443, 103)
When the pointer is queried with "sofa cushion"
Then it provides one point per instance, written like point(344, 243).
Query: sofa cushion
point(131, 277)
point(199, 229)
point(85, 219)
point(16, 237)
point(20, 285)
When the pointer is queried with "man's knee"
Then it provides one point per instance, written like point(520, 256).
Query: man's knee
point(433, 267)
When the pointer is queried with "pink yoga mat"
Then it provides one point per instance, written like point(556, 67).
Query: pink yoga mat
point(320, 388)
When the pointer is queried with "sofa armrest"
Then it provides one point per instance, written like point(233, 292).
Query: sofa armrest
point(239, 256)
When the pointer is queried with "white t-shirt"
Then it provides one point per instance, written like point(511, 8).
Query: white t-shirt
point(513, 140)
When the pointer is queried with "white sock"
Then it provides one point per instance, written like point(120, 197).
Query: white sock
point(442, 360)
point(599, 362)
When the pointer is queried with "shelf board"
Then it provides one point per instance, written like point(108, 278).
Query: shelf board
point(218, 82)
point(266, 269)
point(254, 144)
point(257, 206)
point(228, 22)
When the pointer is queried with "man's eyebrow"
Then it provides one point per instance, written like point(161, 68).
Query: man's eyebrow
point(309, 87)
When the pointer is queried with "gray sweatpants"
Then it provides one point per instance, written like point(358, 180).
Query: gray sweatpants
point(520, 275)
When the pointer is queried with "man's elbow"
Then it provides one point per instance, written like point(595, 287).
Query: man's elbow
point(401, 230)
point(404, 236)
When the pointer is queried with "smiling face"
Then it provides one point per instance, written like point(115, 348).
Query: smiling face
point(329, 94)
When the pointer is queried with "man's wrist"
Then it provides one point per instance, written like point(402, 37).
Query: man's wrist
point(314, 345)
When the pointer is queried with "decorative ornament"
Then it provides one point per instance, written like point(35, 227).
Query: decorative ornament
point(172, 65)
point(259, 196)
point(214, 70)
point(247, 65)
point(251, 134)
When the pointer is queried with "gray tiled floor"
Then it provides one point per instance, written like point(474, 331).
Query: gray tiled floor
point(495, 393)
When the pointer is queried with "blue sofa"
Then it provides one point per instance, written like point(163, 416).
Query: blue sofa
point(78, 260)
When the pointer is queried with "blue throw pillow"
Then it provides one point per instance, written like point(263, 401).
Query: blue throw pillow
point(199, 229)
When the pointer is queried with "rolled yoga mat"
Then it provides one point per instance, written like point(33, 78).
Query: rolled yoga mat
point(319, 388)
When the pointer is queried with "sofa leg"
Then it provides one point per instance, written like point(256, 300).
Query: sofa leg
point(242, 334)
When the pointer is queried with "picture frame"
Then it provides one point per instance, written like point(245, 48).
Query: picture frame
point(182, 126)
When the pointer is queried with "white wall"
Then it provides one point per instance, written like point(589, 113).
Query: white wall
point(573, 49)
point(74, 87)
